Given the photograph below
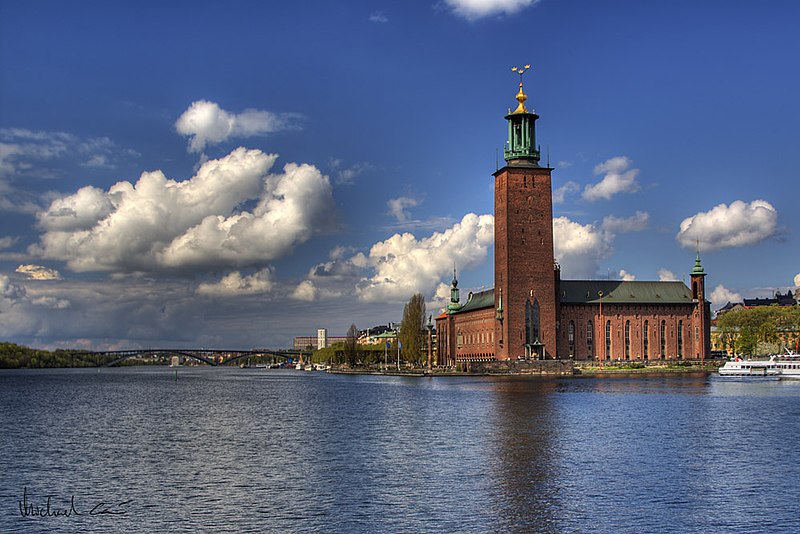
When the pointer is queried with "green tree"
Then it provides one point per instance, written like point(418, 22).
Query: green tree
point(351, 346)
point(755, 330)
point(412, 330)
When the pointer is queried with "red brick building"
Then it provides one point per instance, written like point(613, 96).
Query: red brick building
point(532, 314)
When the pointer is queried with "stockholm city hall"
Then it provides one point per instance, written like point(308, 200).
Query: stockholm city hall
point(531, 313)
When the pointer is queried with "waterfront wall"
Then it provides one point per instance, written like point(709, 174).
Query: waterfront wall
point(534, 367)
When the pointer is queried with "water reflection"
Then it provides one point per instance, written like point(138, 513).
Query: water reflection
point(229, 450)
point(521, 455)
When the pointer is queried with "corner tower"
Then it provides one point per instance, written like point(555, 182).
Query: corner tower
point(523, 243)
point(702, 311)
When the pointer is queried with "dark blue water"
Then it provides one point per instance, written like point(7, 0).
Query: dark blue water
point(232, 450)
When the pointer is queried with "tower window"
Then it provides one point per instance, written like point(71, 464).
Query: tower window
point(663, 339)
point(627, 340)
point(589, 335)
point(608, 340)
point(680, 339)
point(646, 340)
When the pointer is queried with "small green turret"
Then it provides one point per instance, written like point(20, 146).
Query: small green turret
point(455, 300)
point(698, 268)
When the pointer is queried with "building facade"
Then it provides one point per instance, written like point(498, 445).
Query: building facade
point(531, 313)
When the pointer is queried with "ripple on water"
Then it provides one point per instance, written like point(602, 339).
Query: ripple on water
point(231, 450)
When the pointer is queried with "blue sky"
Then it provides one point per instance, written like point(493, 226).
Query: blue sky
point(234, 175)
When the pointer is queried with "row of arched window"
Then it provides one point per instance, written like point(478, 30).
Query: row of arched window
point(627, 341)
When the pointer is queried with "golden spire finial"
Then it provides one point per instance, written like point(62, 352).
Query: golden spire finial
point(521, 96)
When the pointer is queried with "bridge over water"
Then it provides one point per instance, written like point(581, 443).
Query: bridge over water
point(214, 357)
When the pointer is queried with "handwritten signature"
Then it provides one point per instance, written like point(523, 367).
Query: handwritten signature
point(27, 508)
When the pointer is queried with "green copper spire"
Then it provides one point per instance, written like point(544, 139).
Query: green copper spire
point(521, 142)
point(698, 269)
point(455, 303)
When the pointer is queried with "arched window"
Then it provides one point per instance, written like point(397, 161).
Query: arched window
point(627, 340)
point(571, 338)
point(589, 339)
point(646, 340)
point(608, 340)
point(663, 339)
point(680, 339)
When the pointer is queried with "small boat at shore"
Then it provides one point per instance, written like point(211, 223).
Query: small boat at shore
point(781, 366)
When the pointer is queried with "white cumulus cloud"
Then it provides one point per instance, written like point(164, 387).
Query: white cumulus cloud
point(625, 275)
point(723, 226)
point(397, 267)
point(579, 247)
point(618, 177)
point(797, 280)
point(39, 272)
point(206, 124)
point(398, 207)
point(305, 290)
point(721, 295)
point(665, 275)
point(403, 265)
point(476, 9)
point(234, 284)
point(560, 193)
point(159, 223)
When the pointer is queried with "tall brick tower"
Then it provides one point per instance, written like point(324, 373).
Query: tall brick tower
point(702, 313)
point(525, 277)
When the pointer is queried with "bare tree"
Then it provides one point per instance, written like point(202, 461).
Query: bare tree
point(412, 331)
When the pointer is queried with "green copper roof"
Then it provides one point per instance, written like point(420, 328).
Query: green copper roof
point(698, 269)
point(622, 292)
point(478, 301)
point(386, 335)
point(614, 292)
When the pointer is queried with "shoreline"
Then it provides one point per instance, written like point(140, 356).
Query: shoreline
point(577, 372)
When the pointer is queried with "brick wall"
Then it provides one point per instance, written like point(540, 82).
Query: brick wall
point(635, 315)
point(524, 257)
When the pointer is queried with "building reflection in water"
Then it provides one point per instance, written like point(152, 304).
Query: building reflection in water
point(522, 456)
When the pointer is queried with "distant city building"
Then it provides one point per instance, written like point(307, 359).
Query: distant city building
point(787, 336)
point(312, 342)
point(787, 299)
point(388, 336)
point(532, 313)
point(373, 334)
point(322, 338)
point(778, 300)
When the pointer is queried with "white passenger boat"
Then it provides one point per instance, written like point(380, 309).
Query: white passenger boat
point(783, 366)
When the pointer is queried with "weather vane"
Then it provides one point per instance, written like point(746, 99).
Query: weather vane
point(521, 71)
